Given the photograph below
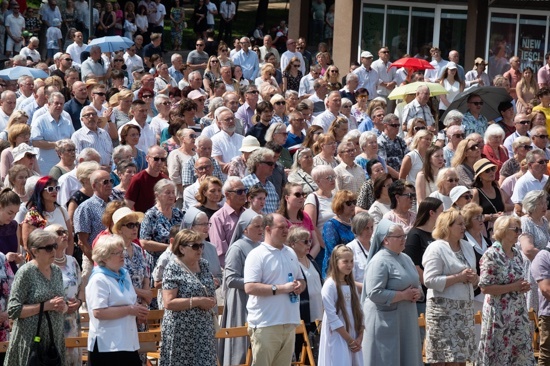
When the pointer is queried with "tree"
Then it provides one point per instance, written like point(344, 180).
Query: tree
point(261, 13)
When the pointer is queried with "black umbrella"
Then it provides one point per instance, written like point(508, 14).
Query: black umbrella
point(490, 95)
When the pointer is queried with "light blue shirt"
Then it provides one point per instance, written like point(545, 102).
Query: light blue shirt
point(99, 140)
point(46, 128)
point(248, 62)
point(175, 74)
point(509, 140)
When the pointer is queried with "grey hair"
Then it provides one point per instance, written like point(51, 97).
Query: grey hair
point(53, 96)
point(493, 130)
point(7, 93)
point(453, 115)
point(159, 99)
point(30, 184)
point(40, 237)
point(19, 58)
point(120, 150)
point(202, 138)
point(88, 154)
point(229, 183)
point(22, 79)
point(530, 157)
point(162, 184)
point(220, 110)
point(104, 247)
point(192, 75)
point(34, 39)
point(344, 145)
point(61, 145)
point(85, 109)
point(256, 157)
point(320, 171)
point(454, 129)
point(85, 170)
point(353, 134)
point(531, 200)
point(175, 56)
point(388, 118)
point(365, 137)
point(360, 221)
point(199, 216)
point(296, 234)
point(289, 92)
point(272, 129)
point(95, 48)
point(351, 76)
point(214, 104)
point(531, 133)
point(346, 101)
point(296, 158)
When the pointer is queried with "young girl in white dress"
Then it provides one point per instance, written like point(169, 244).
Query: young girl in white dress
point(342, 330)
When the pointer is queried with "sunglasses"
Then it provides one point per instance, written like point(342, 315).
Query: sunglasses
point(452, 180)
point(517, 230)
point(192, 136)
point(477, 104)
point(281, 102)
point(524, 122)
point(156, 158)
point(527, 147)
point(195, 246)
point(252, 92)
point(458, 136)
point(542, 162)
point(100, 94)
point(199, 45)
point(410, 195)
point(541, 136)
point(50, 189)
point(132, 225)
point(269, 163)
point(61, 232)
point(30, 156)
point(147, 96)
point(474, 147)
point(334, 71)
point(296, 65)
point(108, 181)
point(48, 248)
point(117, 60)
point(419, 128)
point(239, 191)
point(467, 196)
point(351, 203)
point(394, 125)
point(300, 194)
point(70, 59)
point(214, 61)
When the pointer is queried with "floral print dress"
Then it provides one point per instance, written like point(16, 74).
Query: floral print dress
point(505, 332)
point(72, 279)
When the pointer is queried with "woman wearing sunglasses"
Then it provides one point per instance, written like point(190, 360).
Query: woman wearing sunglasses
point(467, 153)
point(36, 282)
point(189, 298)
point(503, 281)
point(521, 146)
point(446, 180)
point(337, 230)
point(402, 197)
point(73, 290)
point(43, 210)
point(414, 126)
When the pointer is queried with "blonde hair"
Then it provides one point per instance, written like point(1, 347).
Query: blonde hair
point(105, 246)
point(444, 221)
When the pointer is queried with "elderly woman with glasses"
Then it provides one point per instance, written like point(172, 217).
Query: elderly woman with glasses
point(450, 276)
point(391, 287)
point(278, 134)
point(505, 320)
point(467, 153)
point(536, 237)
point(38, 286)
point(521, 146)
point(349, 175)
point(402, 196)
point(446, 180)
point(493, 149)
point(368, 144)
point(337, 230)
point(301, 171)
point(66, 150)
point(189, 298)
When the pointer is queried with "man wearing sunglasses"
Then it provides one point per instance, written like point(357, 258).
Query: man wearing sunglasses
point(91, 135)
point(539, 136)
point(87, 217)
point(261, 164)
point(224, 221)
point(534, 179)
point(473, 120)
point(522, 124)
point(65, 63)
point(391, 147)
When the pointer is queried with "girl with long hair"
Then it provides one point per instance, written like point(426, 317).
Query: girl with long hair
point(342, 330)
point(425, 180)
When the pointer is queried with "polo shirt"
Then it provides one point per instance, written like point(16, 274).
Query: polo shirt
point(525, 184)
point(325, 119)
point(225, 146)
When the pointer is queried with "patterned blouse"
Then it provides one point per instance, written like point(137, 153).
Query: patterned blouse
point(156, 226)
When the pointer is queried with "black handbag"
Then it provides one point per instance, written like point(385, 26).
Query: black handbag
point(40, 355)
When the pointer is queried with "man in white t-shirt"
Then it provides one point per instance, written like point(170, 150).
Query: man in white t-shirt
point(31, 50)
point(76, 48)
point(212, 10)
point(15, 24)
point(272, 314)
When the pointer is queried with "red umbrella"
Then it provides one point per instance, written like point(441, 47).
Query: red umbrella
point(412, 63)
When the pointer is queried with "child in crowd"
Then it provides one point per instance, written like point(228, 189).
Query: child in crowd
point(53, 39)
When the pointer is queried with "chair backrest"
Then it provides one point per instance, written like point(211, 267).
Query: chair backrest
point(306, 346)
point(236, 332)
point(536, 334)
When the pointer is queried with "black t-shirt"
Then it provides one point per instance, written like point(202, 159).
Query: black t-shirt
point(415, 246)
point(149, 50)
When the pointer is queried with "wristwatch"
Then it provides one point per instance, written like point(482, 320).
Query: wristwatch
point(274, 289)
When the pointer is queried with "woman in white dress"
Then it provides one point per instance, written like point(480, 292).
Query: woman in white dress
point(450, 80)
point(342, 330)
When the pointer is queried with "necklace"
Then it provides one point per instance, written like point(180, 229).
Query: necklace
point(60, 260)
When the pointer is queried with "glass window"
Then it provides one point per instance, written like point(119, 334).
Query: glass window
point(397, 24)
point(532, 31)
point(502, 41)
point(422, 32)
point(452, 34)
point(373, 28)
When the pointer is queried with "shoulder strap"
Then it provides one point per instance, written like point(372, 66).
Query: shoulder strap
point(316, 204)
point(37, 337)
point(52, 339)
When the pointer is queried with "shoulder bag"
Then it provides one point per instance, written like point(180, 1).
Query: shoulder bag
point(39, 354)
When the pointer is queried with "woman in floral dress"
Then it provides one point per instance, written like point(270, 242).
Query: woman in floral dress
point(177, 15)
point(505, 332)
point(74, 292)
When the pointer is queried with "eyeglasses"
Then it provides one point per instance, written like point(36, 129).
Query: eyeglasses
point(330, 178)
point(118, 254)
point(147, 96)
point(156, 158)
point(240, 191)
point(524, 122)
point(225, 50)
point(252, 92)
point(478, 217)
point(349, 151)
point(305, 242)
point(108, 181)
point(89, 115)
point(541, 136)
point(192, 136)
point(452, 180)
point(268, 163)
point(132, 225)
point(117, 60)
point(214, 61)
point(205, 224)
point(526, 147)
point(384, 51)
point(467, 196)
point(195, 246)
point(298, 65)
point(282, 133)
point(61, 232)
point(419, 128)
point(379, 116)
point(542, 162)
point(400, 237)
point(458, 136)
point(351, 203)
point(473, 147)
point(281, 102)
point(30, 156)
point(300, 194)
point(48, 248)
point(203, 168)
point(394, 125)
point(410, 195)
point(334, 71)
point(50, 189)
point(100, 94)
point(517, 229)
point(477, 104)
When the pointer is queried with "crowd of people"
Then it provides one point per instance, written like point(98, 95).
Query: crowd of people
point(263, 179)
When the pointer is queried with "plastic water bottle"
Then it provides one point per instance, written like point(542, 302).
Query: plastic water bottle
point(293, 297)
